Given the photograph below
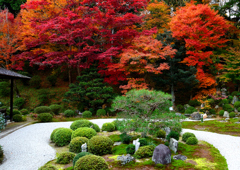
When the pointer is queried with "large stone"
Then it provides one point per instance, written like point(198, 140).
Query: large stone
point(226, 114)
point(125, 159)
point(235, 99)
point(179, 157)
point(162, 155)
point(178, 114)
point(137, 144)
point(196, 116)
point(173, 145)
point(167, 130)
point(216, 107)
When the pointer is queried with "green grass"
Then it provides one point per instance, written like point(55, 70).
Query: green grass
point(115, 138)
point(120, 149)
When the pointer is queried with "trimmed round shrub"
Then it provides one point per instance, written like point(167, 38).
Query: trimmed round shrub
point(174, 135)
point(192, 141)
point(238, 109)
point(47, 167)
point(230, 98)
point(130, 149)
point(45, 117)
point(24, 112)
point(223, 102)
point(76, 143)
point(70, 113)
point(212, 111)
point(52, 134)
point(101, 112)
point(84, 132)
point(143, 141)
point(180, 108)
point(109, 127)
point(19, 102)
point(42, 109)
point(194, 103)
point(35, 82)
point(237, 104)
point(100, 145)
point(232, 114)
point(221, 112)
point(161, 133)
point(55, 108)
point(16, 112)
point(125, 138)
point(81, 154)
point(187, 135)
point(1, 154)
point(228, 107)
point(17, 118)
point(96, 127)
point(190, 110)
point(80, 123)
point(87, 114)
point(115, 122)
point(145, 151)
point(62, 136)
point(65, 158)
point(92, 162)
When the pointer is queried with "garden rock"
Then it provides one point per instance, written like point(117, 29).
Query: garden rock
point(196, 116)
point(162, 155)
point(167, 130)
point(216, 107)
point(178, 114)
point(226, 114)
point(137, 144)
point(84, 147)
point(234, 100)
point(173, 145)
point(125, 159)
point(117, 143)
point(179, 157)
point(235, 110)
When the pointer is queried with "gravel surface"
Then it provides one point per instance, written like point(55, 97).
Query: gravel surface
point(28, 148)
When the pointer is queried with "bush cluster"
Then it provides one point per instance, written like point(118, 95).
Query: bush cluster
point(24, 112)
point(194, 103)
point(221, 113)
point(237, 104)
point(92, 162)
point(100, 145)
point(212, 111)
point(109, 127)
point(125, 138)
point(161, 133)
point(62, 136)
point(65, 158)
point(223, 102)
point(87, 114)
point(228, 107)
point(80, 123)
point(180, 108)
point(17, 118)
point(174, 135)
point(55, 108)
point(145, 151)
point(84, 132)
point(81, 154)
point(42, 109)
point(192, 141)
point(19, 102)
point(15, 112)
point(101, 112)
point(130, 149)
point(190, 110)
point(69, 113)
point(143, 141)
point(47, 167)
point(76, 143)
point(45, 117)
point(232, 114)
point(187, 135)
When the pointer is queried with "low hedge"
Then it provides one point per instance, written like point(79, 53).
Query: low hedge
point(45, 117)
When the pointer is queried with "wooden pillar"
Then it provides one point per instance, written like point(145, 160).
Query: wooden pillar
point(11, 101)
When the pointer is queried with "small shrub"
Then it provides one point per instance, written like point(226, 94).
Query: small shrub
point(192, 141)
point(55, 108)
point(115, 122)
point(187, 135)
point(53, 132)
point(65, 158)
point(232, 114)
point(101, 112)
point(100, 145)
point(16, 112)
point(143, 141)
point(125, 138)
point(76, 143)
point(80, 123)
point(212, 111)
point(227, 107)
point(69, 113)
point(174, 135)
point(19, 102)
point(17, 118)
point(224, 102)
point(24, 112)
point(42, 109)
point(180, 108)
point(47, 167)
point(221, 112)
point(81, 154)
point(144, 152)
point(190, 110)
point(109, 127)
point(35, 82)
point(45, 117)
point(92, 162)
point(62, 136)
point(194, 103)
point(161, 133)
point(230, 98)
point(237, 104)
point(87, 114)
point(84, 132)
point(130, 149)
point(96, 127)
point(115, 138)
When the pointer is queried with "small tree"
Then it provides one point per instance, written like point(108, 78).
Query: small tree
point(139, 108)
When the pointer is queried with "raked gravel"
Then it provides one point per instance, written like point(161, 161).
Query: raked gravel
point(28, 148)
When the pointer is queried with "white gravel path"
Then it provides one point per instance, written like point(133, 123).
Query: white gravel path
point(28, 148)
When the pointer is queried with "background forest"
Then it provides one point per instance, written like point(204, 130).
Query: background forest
point(86, 52)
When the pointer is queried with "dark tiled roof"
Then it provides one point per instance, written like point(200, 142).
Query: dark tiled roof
point(7, 74)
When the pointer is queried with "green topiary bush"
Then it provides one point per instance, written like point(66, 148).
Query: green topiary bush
point(65, 158)
point(24, 112)
point(84, 132)
point(87, 114)
point(96, 127)
point(144, 152)
point(19, 102)
point(187, 135)
point(190, 110)
point(80, 123)
point(47, 167)
point(1, 154)
point(101, 112)
point(45, 117)
point(55, 108)
point(62, 136)
point(125, 138)
point(100, 145)
point(81, 154)
point(92, 162)
point(228, 107)
point(42, 109)
point(194, 103)
point(143, 141)
point(109, 127)
point(35, 82)
point(52, 134)
point(223, 102)
point(221, 112)
point(174, 135)
point(70, 113)
point(16, 112)
point(212, 111)
point(192, 141)
point(130, 149)
point(180, 108)
point(76, 143)
point(230, 98)
point(232, 114)
point(115, 122)
point(17, 118)
point(237, 104)
point(161, 133)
